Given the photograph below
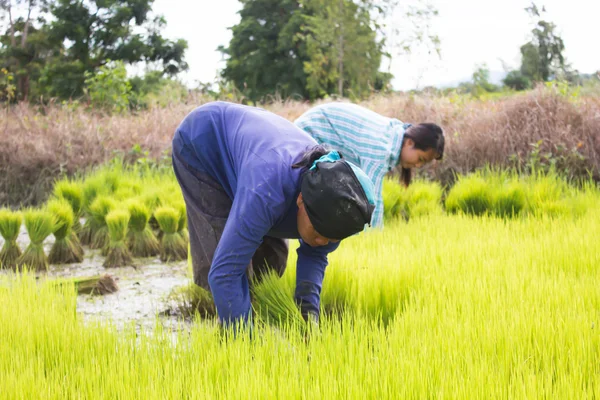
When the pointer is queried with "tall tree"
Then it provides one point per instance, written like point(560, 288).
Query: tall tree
point(543, 55)
point(22, 44)
point(344, 51)
point(264, 56)
point(82, 36)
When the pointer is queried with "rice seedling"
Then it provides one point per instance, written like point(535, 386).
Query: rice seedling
point(190, 300)
point(39, 224)
point(140, 238)
point(10, 225)
point(274, 301)
point(422, 198)
point(92, 188)
point(118, 254)
point(182, 223)
point(152, 200)
point(509, 199)
point(173, 246)
point(392, 193)
point(485, 306)
point(73, 193)
point(470, 195)
point(93, 285)
point(66, 248)
point(99, 209)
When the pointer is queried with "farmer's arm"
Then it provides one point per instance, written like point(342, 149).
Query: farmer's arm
point(310, 271)
point(250, 219)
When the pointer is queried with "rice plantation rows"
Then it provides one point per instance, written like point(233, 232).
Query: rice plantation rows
point(488, 290)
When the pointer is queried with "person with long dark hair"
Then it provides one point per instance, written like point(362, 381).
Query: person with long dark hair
point(375, 143)
point(251, 180)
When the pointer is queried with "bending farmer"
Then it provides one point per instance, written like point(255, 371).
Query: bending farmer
point(373, 142)
point(250, 180)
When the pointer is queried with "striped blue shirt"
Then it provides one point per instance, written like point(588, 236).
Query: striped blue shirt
point(364, 137)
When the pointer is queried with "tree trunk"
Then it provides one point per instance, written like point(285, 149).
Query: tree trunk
point(12, 25)
point(341, 52)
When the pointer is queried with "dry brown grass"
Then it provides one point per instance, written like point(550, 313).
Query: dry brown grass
point(36, 145)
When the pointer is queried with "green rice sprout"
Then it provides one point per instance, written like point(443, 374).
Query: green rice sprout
point(152, 200)
point(118, 254)
point(509, 199)
point(98, 212)
point(190, 300)
point(73, 193)
point(182, 223)
point(173, 246)
point(92, 285)
point(470, 195)
point(66, 248)
point(92, 188)
point(39, 224)
point(140, 239)
point(10, 225)
point(392, 193)
point(274, 301)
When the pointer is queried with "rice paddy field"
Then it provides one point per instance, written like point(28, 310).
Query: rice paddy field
point(487, 290)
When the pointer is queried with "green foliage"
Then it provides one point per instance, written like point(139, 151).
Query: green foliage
point(69, 42)
point(542, 56)
point(344, 52)
point(265, 57)
point(517, 81)
point(153, 89)
point(108, 88)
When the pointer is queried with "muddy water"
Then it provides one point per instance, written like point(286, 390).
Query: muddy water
point(143, 289)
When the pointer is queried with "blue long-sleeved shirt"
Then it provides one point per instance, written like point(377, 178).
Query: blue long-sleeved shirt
point(250, 152)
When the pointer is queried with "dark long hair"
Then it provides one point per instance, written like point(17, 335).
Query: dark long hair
point(312, 155)
point(426, 136)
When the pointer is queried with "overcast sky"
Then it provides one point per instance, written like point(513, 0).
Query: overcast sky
point(472, 32)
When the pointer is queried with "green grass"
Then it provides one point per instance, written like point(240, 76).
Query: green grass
point(476, 308)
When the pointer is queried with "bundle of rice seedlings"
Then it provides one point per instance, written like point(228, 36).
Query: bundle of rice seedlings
point(423, 198)
point(73, 194)
point(470, 195)
point(182, 223)
point(10, 225)
point(98, 212)
point(66, 248)
point(509, 199)
point(189, 300)
point(173, 246)
point(118, 254)
point(152, 200)
point(274, 303)
point(94, 285)
point(140, 239)
point(92, 188)
point(39, 225)
point(392, 193)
